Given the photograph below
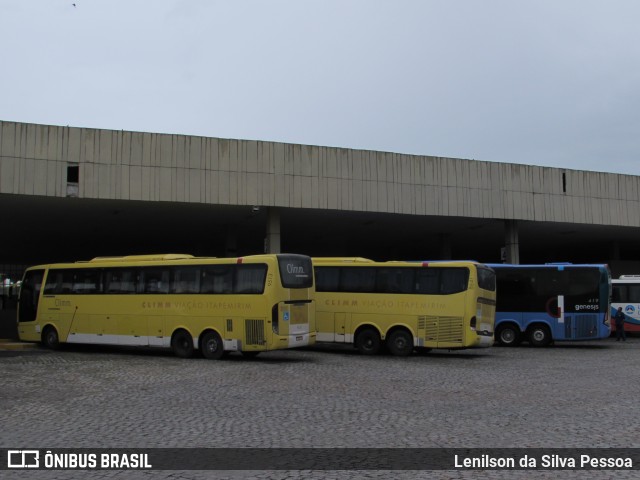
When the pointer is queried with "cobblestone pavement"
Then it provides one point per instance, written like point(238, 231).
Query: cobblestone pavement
point(570, 395)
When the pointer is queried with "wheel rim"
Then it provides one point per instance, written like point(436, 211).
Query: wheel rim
point(212, 345)
point(507, 335)
point(401, 343)
point(52, 338)
point(182, 345)
point(366, 342)
point(538, 335)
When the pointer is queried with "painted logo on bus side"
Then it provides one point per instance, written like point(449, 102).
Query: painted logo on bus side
point(630, 309)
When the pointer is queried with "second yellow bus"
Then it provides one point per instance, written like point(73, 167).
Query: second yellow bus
point(404, 305)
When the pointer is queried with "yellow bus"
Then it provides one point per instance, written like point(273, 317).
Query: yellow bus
point(404, 305)
point(248, 304)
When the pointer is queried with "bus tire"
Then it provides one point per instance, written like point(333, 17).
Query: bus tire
point(400, 343)
point(508, 335)
point(368, 341)
point(182, 344)
point(50, 338)
point(539, 336)
point(212, 346)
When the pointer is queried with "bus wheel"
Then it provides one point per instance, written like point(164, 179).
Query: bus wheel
point(182, 344)
point(212, 346)
point(50, 338)
point(508, 335)
point(400, 343)
point(539, 336)
point(368, 342)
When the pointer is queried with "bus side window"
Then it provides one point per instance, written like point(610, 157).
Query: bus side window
point(120, 280)
point(86, 281)
point(454, 280)
point(428, 281)
point(185, 280)
point(217, 279)
point(156, 280)
point(633, 295)
point(327, 279)
point(395, 280)
point(249, 279)
point(358, 279)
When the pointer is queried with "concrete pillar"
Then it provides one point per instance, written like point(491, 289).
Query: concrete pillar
point(272, 240)
point(511, 242)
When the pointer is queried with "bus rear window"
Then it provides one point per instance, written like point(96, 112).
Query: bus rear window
point(486, 279)
point(295, 271)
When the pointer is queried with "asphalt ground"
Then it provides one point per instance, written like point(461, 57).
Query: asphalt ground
point(570, 395)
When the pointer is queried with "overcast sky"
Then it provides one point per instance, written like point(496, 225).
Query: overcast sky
point(540, 82)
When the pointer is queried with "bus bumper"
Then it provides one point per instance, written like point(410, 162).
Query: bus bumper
point(484, 340)
point(301, 340)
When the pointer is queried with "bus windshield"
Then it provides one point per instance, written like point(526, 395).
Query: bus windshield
point(295, 271)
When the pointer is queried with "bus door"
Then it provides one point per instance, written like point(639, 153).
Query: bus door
point(339, 324)
point(30, 296)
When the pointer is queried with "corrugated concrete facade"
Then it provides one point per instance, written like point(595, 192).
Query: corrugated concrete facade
point(175, 168)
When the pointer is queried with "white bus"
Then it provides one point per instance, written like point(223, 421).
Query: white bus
point(626, 294)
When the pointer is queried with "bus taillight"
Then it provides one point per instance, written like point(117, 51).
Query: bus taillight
point(275, 313)
point(472, 323)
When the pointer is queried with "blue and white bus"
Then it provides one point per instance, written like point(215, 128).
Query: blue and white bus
point(544, 303)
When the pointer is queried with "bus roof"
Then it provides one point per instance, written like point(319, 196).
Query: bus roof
point(156, 260)
point(627, 279)
point(341, 260)
point(142, 258)
point(412, 263)
point(558, 266)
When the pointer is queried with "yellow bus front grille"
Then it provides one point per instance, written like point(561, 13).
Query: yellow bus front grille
point(254, 332)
